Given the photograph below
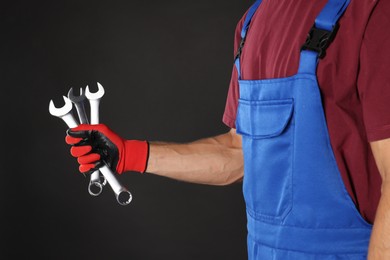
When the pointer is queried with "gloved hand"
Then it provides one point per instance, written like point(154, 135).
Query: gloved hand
point(97, 144)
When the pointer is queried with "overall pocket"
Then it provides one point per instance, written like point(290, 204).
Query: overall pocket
point(267, 129)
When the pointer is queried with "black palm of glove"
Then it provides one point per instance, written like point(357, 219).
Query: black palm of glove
point(94, 145)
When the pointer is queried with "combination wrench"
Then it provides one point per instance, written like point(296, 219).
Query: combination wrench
point(123, 196)
point(97, 181)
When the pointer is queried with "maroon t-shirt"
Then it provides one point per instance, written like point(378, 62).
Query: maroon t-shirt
point(354, 79)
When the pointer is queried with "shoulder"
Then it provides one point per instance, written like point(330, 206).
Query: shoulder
point(237, 33)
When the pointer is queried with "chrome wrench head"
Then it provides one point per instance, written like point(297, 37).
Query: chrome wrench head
point(94, 101)
point(96, 183)
point(95, 188)
point(79, 103)
point(65, 112)
point(74, 98)
point(124, 197)
point(62, 111)
point(95, 95)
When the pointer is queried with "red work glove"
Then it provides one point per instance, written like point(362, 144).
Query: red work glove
point(97, 144)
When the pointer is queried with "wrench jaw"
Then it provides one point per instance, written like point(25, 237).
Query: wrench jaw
point(94, 95)
point(65, 112)
point(59, 112)
point(79, 102)
point(74, 98)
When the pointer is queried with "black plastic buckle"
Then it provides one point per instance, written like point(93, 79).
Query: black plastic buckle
point(318, 40)
point(239, 51)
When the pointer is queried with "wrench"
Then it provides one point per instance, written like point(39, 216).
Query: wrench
point(123, 196)
point(79, 101)
point(97, 181)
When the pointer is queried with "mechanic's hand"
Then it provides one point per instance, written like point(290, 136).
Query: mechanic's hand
point(97, 144)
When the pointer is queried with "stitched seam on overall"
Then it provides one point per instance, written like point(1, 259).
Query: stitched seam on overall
point(319, 228)
point(285, 79)
point(303, 252)
point(292, 161)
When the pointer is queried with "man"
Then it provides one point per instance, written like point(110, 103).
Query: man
point(310, 128)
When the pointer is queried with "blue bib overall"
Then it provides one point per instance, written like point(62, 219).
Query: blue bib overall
point(297, 204)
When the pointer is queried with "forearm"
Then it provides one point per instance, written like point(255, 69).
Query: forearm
point(215, 160)
point(380, 239)
point(379, 248)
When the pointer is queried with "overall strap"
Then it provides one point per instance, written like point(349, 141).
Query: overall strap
point(244, 31)
point(321, 35)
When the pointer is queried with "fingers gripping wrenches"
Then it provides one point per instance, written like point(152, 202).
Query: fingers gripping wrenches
point(123, 196)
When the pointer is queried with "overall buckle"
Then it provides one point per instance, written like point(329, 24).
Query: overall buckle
point(239, 51)
point(318, 40)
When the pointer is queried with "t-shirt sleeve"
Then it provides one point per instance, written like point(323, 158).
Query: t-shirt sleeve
point(374, 74)
point(229, 116)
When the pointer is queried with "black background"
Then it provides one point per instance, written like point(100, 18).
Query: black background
point(165, 66)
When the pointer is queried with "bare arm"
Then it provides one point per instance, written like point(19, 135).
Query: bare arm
point(380, 239)
point(215, 160)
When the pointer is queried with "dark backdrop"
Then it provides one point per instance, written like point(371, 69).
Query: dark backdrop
point(165, 66)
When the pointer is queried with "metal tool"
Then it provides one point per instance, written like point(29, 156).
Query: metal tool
point(94, 102)
point(65, 112)
point(79, 102)
point(124, 197)
point(97, 181)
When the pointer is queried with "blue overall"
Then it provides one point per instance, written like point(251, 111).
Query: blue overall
point(297, 205)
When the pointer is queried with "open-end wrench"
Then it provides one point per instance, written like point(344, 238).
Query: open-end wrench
point(123, 196)
point(97, 181)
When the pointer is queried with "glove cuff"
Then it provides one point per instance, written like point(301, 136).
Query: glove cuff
point(135, 156)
